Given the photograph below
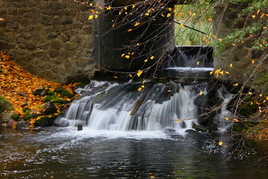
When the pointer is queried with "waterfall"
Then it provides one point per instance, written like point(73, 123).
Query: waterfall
point(122, 107)
point(158, 106)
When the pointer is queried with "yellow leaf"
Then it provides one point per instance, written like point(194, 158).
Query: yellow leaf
point(169, 91)
point(152, 57)
point(139, 89)
point(236, 84)
point(108, 8)
point(115, 77)
point(147, 14)
point(226, 118)
point(129, 30)
point(235, 120)
point(169, 14)
point(127, 56)
point(231, 65)
point(139, 73)
point(220, 40)
point(201, 93)
point(96, 16)
point(182, 26)
point(220, 143)
point(146, 60)
point(136, 24)
point(178, 120)
point(122, 55)
point(253, 16)
point(252, 61)
point(90, 17)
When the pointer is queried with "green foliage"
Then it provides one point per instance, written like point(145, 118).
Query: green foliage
point(197, 17)
point(49, 98)
point(27, 116)
point(66, 93)
point(4, 104)
point(59, 89)
point(42, 121)
point(50, 93)
point(16, 117)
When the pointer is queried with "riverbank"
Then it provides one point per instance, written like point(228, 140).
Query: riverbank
point(29, 99)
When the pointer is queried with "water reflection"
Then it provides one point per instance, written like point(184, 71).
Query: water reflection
point(59, 153)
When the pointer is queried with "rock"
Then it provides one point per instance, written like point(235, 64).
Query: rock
point(183, 124)
point(216, 101)
point(39, 90)
point(11, 123)
point(50, 108)
point(71, 45)
point(199, 128)
point(79, 127)
point(6, 117)
point(59, 89)
point(22, 125)
point(66, 93)
point(22, 94)
point(43, 121)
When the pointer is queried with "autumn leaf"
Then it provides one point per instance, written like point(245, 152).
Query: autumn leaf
point(139, 73)
point(137, 23)
point(90, 17)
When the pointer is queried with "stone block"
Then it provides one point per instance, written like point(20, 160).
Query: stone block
point(56, 44)
point(53, 53)
point(67, 20)
point(71, 45)
point(87, 29)
point(63, 37)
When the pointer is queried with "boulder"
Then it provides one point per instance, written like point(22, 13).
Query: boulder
point(50, 108)
point(22, 125)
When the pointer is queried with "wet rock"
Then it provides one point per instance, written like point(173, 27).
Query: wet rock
point(170, 131)
point(50, 108)
point(11, 123)
point(199, 128)
point(43, 121)
point(79, 127)
point(22, 125)
point(6, 117)
point(22, 94)
point(40, 90)
point(183, 124)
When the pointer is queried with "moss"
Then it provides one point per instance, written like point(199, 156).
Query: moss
point(42, 121)
point(66, 93)
point(57, 100)
point(4, 104)
point(50, 93)
point(26, 109)
point(59, 89)
point(49, 98)
point(16, 117)
point(27, 116)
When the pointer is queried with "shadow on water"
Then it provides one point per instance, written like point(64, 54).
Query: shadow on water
point(67, 153)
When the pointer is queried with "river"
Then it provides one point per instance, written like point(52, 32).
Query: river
point(64, 152)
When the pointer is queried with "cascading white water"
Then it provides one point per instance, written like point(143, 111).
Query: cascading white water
point(225, 117)
point(163, 106)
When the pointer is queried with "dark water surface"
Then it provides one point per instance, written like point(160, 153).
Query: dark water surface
point(67, 153)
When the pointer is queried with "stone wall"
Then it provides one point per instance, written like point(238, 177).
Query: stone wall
point(50, 38)
point(246, 64)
